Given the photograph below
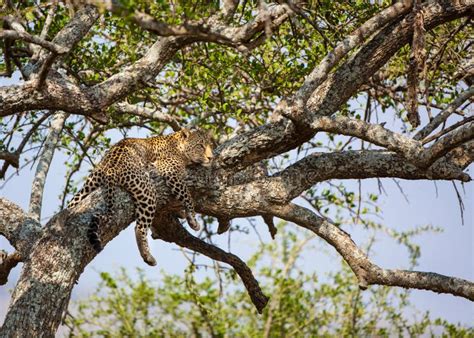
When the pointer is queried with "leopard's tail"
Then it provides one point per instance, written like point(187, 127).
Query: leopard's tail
point(93, 233)
point(94, 181)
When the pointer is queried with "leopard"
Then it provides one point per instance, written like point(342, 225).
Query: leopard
point(126, 164)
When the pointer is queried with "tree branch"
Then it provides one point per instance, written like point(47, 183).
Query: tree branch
point(16, 35)
point(168, 228)
point(281, 136)
point(12, 159)
point(37, 188)
point(7, 263)
point(357, 70)
point(23, 143)
point(212, 29)
point(366, 272)
point(226, 197)
point(443, 116)
point(17, 227)
point(155, 115)
point(373, 133)
point(375, 23)
point(71, 34)
point(450, 141)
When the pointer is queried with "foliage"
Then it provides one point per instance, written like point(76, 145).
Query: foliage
point(303, 303)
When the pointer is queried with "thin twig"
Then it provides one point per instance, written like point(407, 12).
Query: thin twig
point(461, 203)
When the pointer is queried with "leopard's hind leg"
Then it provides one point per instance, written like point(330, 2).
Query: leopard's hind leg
point(145, 197)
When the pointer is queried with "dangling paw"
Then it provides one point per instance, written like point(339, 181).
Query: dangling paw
point(193, 223)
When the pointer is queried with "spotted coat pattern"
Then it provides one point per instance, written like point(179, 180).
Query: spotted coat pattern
point(125, 165)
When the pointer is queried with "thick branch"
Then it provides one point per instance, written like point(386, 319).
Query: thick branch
point(17, 227)
point(37, 188)
point(228, 201)
point(319, 167)
point(56, 94)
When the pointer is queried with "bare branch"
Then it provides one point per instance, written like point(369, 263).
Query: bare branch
point(268, 219)
point(16, 35)
point(169, 229)
point(36, 198)
point(423, 281)
point(23, 143)
point(417, 64)
point(373, 133)
point(448, 129)
point(12, 159)
point(44, 70)
point(48, 21)
point(366, 272)
point(155, 115)
point(443, 116)
point(448, 142)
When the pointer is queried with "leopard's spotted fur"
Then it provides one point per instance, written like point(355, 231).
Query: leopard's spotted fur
point(125, 165)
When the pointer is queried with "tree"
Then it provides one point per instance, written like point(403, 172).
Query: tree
point(269, 79)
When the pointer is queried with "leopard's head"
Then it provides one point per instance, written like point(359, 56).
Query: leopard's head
point(197, 146)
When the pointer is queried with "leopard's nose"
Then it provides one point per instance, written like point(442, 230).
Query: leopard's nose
point(209, 154)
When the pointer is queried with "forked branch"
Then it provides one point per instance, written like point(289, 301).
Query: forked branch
point(367, 272)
